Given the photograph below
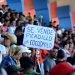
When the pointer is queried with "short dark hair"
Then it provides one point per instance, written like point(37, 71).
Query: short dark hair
point(26, 63)
point(64, 43)
point(60, 54)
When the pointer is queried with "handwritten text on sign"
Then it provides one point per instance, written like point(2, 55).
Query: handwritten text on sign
point(39, 37)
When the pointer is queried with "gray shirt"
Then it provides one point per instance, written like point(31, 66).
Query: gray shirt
point(49, 64)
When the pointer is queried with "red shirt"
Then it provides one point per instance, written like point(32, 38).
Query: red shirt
point(63, 68)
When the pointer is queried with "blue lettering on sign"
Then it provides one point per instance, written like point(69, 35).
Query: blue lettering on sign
point(42, 37)
point(27, 35)
point(44, 31)
point(40, 43)
point(30, 29)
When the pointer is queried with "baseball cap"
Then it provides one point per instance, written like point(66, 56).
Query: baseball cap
point(24, 49)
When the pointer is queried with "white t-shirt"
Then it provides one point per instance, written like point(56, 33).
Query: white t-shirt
point(11, 29)
point(2, 51)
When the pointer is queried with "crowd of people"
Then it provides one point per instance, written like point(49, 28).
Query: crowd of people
point(17, 59)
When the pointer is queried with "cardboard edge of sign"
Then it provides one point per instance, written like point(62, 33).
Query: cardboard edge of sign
point(39, 48)
point(39, 26)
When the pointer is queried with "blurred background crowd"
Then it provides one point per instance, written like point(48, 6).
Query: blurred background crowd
point(16, 59)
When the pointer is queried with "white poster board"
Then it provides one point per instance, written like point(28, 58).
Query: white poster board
point(39, 37)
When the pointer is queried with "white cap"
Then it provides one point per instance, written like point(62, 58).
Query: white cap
point(24, 49)
point(1, 24)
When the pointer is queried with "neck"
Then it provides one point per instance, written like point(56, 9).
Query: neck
point(60, 59)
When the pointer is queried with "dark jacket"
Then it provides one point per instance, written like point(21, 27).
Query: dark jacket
point(20, 39)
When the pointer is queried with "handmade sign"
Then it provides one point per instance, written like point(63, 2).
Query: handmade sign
point(39, 37)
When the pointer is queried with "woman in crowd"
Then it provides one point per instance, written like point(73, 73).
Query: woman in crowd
point(12, 58)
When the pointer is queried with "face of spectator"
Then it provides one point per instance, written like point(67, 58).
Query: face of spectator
point(66, 46)
point(6, 9)
point(13, 15)
point(7, 18)
point(54, 23)
point(18, 56)
point(7, 42)
point(7, 23)
point(13, 23)
point(65, 38)
point(54, 53)
point(25, 54)
point(17, 15)
point(18, 23)
point(71, 46)
point(71, 40)
point(19, 33)
point(8, 14)
point(22, 17)
point(66, 32)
